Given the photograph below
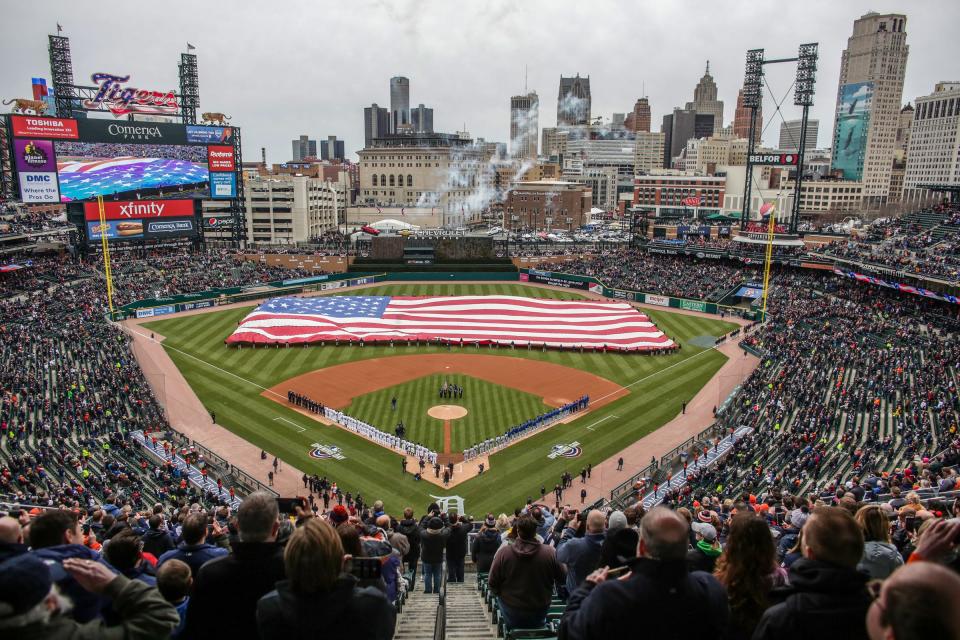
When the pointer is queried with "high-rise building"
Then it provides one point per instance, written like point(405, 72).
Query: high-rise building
point(332, 149)
point(573, 101)
point(639, 118)
point(304, 147)
point(933, 155)
point(705, 100)
point(376, 123)
point(790, 135)
point(399, 103)
point(680, 126)
point(524, 127)
point(618, 121)
point(868, 102)
point(741, 121)
point(649, 157)
point(289, 209)
point(422, 119)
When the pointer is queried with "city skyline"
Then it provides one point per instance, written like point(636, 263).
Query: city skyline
point(273, 104)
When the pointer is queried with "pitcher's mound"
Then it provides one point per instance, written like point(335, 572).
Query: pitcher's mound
point(446, 412)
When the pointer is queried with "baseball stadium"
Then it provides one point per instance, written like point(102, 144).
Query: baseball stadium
point(598, 382)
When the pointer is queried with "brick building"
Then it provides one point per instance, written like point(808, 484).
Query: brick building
point(547, 204)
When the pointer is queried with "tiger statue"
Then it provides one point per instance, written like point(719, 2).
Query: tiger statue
point(23, 105)
point(214, 118)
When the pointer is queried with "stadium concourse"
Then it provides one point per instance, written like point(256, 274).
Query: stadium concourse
point(849, 472)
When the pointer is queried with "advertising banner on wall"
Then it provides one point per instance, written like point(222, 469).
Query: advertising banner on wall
point(140, 220)
point(220, 158)
point(545, 277)
point(223, 186)
point(51, 128)
point(38, 187)
point(660, 301)
point(853, 125)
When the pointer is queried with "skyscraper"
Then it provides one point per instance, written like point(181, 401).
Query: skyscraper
point(741, 120)
point(331, 149)
point(376, 123)
point(304, 147)
point(868, 102)
point(399, 103)
point(573, 101)
point(790, 135)
point(524, 127)
point(705, 100)
point(679, 127)
point(933, 155)
point(639, 118)
point(421, 118)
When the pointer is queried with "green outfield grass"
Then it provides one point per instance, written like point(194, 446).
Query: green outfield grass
point(491, 409)
point(229, 382)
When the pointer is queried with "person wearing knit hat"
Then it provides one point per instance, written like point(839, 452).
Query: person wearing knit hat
point(339, 515)
point(705, 516)
point(616, 521)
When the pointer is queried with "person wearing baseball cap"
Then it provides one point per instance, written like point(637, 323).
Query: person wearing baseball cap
point(486, 543)
point(703, 556)
point(31, 606)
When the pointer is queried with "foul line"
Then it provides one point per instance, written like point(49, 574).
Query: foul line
point(590, 428)
point(291, 422)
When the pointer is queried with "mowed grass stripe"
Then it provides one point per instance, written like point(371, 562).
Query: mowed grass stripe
point(516, 473)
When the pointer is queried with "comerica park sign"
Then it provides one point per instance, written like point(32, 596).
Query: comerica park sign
point(774, 159)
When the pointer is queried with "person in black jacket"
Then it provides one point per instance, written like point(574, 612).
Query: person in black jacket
point(408, 527)
point(485, 545)
point(457, 547)
point(156, 540)
point(226, 590)
point(655, 598)
point(433, 541)
point(827, 597)
point(317, 600)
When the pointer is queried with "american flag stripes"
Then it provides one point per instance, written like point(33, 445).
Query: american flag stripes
point(502, 320)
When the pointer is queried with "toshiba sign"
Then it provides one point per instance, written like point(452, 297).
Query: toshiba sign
point(220, 158)
point(34, 127)
point(139, 209)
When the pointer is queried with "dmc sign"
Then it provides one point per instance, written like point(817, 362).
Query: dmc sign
point(774, 159)
point(121, 100)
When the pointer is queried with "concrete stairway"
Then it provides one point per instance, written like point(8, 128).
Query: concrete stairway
point(417, 620)
point(466, 612)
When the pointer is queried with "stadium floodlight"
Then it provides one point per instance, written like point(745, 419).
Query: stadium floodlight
point(806, 75)
point(753, 79)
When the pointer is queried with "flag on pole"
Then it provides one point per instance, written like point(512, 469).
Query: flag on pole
point(190, 47)
point(59, 28)
point(571, 324)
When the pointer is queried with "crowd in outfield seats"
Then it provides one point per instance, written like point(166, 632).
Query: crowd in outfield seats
point(834, 518)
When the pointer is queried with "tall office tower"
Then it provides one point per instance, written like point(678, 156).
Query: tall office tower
point(421, 118)
point(332, 149)
point(573, 101)
point(683, 125)
point(399, 103)
point(868, 103)
point(524, 127)
point(639, 118)
point(304, 147)
point(741, 120)
point(933, 152)
point(790, 135)
point(705, 100)
point(376, 123)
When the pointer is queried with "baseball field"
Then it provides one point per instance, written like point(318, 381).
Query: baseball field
point(635, 394)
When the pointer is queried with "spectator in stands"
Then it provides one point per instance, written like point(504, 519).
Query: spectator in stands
point(827, 597)
point(31, 605)
point(581, 556)
point(706, 548)
point(125, 553)
point(56, 536)
point(522, 577)
point(156, 540)
point(433, 541)
point(920, 601)
point(619, 547)
point(317, 600)
point(193, 548)
point(226, 589)
point(175, 580)
point(11, 538)
point(748, 570)
point(457, 547)
point(656, 597)
point(409, 527)
point(485, 544)
point(880, 556)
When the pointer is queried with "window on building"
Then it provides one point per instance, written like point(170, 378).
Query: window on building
point(409, 180)
point(374, 179)
point(383, 180)
point(392, 182)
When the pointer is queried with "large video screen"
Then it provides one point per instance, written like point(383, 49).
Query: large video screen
point(67, 160)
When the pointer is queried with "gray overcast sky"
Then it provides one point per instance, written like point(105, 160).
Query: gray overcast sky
point(281, 69)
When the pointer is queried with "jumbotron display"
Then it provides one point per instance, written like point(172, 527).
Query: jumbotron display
point(73, 160)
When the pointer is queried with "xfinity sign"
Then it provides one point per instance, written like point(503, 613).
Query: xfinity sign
point(774, 159)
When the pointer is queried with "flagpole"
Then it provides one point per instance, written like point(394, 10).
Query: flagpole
point(766, 266)
point(106, 253)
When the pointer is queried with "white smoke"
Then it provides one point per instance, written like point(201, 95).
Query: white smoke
point(573, 109)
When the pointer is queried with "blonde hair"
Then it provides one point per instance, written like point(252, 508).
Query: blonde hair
point(874, 523)
point(313, 557)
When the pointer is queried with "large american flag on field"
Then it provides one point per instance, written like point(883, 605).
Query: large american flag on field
point(500, 320)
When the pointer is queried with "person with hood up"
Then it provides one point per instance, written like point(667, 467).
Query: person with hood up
point(880, 556)
point(706, 550)
point(433, 542)
point(318, 600)
point(485, 545)
point(827, 597)
point(581, 555)
point(409, 527)
point(522, 577)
